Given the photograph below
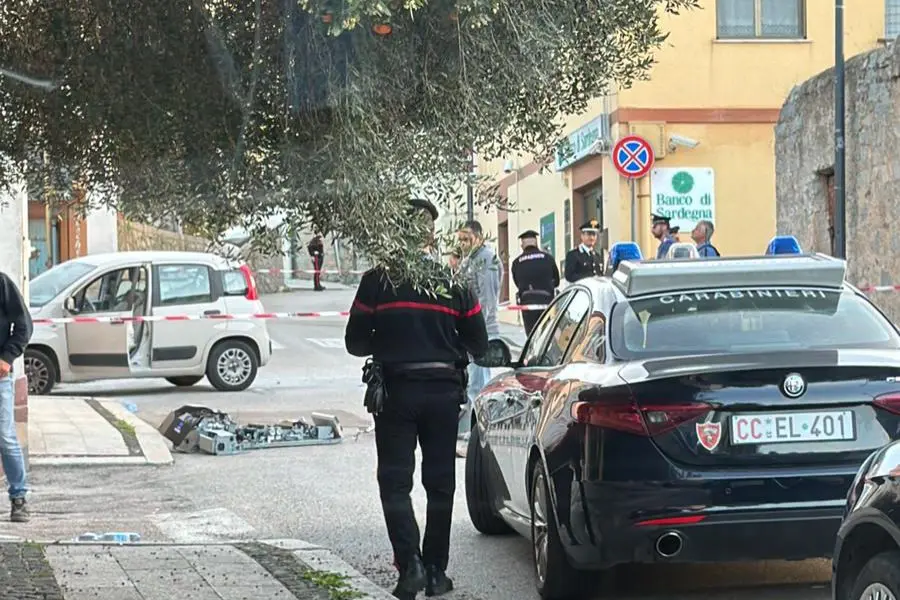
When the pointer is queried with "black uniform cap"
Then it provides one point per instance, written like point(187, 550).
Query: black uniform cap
point(531, 233)
point(420, 204)
point(660, 220)
point(592, 225)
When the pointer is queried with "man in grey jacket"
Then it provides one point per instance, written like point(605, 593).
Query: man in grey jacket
point(483, 271)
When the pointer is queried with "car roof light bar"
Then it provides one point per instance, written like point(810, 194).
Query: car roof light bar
point(780, 270)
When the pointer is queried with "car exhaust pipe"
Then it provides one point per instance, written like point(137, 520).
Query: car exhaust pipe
point(669, 544)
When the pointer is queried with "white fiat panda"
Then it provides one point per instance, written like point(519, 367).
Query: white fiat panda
point(123, 284)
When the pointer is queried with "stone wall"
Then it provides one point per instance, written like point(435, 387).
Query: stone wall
point(137, 236)
point(804, 162)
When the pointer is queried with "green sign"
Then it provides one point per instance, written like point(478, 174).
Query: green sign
point(684, 194)
point(548, 233)
point(579, 143)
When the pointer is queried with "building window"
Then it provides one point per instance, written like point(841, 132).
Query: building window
point(891, 19)
point(760, 19)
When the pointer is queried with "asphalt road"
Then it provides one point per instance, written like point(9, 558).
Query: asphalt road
point(327, 494)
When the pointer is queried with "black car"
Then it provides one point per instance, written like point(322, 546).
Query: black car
point(867, 555)
point(685, 411)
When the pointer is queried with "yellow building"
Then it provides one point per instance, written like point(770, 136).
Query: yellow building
point(708, 110)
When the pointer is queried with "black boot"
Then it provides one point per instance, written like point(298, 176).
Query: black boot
point(412, 580)
point(437, 583)
point(19, 511)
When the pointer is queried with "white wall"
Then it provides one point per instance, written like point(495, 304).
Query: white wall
point(102, 230)
point(14, 244)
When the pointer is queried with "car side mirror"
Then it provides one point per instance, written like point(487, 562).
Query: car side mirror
point(69, 305)
point(498, 355)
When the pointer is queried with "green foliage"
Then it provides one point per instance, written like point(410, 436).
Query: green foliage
point(228, 112)
point(335, 584)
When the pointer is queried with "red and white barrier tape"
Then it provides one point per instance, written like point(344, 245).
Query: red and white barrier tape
point(866, 289)
point(236, 317)
point(307, 271)
point(301, 315)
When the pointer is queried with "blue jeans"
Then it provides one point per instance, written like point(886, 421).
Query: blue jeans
point(10, 452)
point(478, 378)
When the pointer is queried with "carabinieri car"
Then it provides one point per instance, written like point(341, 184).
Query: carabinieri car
point(684, 411)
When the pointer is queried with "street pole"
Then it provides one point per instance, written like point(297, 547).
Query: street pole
point(633, 211)
point(470, 193)
point(840, 157)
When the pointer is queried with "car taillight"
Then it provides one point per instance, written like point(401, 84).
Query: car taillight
point(646, 420)
point(889, 402)
point(252, 293)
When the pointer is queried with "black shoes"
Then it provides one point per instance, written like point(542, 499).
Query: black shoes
point(412, 580)
point(19, 511)
point(437, 583)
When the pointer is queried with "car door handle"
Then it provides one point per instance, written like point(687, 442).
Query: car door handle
point(209, 313)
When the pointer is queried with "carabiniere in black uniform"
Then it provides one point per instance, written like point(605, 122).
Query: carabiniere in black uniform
point(585, 261)
point(419, 346)
point(536, 277)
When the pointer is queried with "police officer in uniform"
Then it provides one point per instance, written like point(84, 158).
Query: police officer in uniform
point(421, 342)
point(662, 231)
point(536, 277)
point(584, 261)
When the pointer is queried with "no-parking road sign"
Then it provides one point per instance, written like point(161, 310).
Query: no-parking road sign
point(633, 157)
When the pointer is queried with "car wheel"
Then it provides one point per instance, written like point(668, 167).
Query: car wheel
point(40, 371)
point(184, 380)
point(232, 366)
point(556, 578)
point(879, 578)
point(479, 498)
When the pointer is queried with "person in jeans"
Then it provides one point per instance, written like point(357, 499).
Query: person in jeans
point(15, 331)
point(483, 272)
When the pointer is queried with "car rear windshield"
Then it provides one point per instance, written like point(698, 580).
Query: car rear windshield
point(747, 320)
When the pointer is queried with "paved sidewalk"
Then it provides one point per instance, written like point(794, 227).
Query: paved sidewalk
point(269, 570)
point(69, 430)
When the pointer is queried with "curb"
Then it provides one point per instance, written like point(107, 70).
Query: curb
point(154, 448)
point(310, 555)
point(153, 445)
point(322, 559)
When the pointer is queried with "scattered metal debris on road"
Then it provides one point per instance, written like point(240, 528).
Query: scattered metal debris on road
point(202, 429)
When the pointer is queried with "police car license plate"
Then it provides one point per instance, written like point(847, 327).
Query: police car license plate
point(792, 427)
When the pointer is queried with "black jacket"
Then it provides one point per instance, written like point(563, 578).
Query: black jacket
point(15, 321)
point(581, 264)
point(402, 325)
point(536, 276)
point(316, 248)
